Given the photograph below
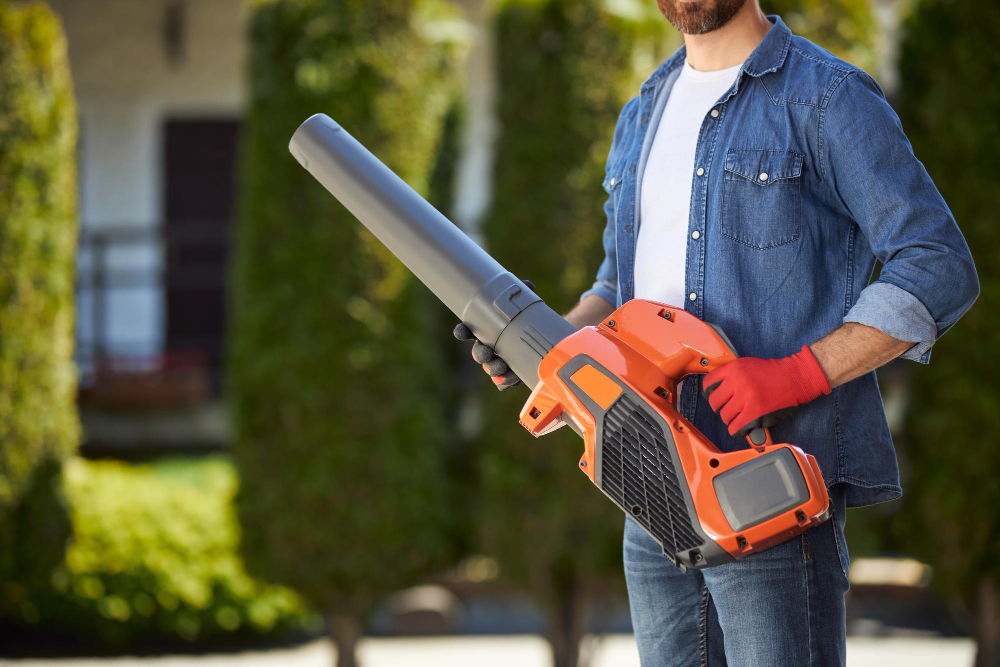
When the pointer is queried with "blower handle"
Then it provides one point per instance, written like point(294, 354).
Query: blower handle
point(760, 437)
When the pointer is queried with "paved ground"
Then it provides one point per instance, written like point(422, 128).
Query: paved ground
point(520, 650)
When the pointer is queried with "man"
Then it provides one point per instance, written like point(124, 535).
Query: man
point(755, 179)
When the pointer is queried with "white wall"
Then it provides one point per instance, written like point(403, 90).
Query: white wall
point(126, 87)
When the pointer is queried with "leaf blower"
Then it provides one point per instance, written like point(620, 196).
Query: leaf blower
point(614, 384)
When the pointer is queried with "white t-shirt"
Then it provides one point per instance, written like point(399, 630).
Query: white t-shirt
point(665, 199)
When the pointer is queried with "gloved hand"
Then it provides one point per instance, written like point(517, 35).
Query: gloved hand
point(749, 392)
point(503, 377)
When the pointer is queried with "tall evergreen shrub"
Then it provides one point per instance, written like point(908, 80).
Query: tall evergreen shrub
point(950, 516)
point(334, 378)
point(38, 423)
point(565, 69)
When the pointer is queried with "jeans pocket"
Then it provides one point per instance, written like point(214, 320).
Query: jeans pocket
point(761, 198)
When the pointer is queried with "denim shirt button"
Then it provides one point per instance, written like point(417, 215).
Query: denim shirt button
point(645, 119)
point(628, 228)
point(631, 169)
point(696, 235)
point(693, 296)
point(715, 113)
point(701, 171)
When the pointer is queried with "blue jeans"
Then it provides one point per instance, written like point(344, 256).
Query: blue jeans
point(783, 606)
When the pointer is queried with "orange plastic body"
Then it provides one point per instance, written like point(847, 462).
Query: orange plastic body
point(650, 347)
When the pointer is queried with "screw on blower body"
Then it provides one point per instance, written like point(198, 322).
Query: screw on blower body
point(614, 384)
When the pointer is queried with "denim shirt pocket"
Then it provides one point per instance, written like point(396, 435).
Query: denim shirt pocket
point(761, 197)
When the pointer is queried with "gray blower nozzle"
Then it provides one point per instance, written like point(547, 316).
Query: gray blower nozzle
point(499, 309)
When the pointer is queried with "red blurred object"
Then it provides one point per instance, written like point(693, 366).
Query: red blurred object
point(164, 381)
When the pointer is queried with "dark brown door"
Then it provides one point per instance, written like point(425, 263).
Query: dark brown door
point(200, 171)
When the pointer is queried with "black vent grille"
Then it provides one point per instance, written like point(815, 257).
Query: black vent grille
point(638, 474)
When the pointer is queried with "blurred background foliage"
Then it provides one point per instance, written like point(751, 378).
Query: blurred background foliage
point(154, 553)
point(350, 478)
point(38, 228)
point(949, 105)
point(327, 323)
point(565, 68)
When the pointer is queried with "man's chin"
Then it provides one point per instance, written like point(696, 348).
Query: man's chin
point(697, 17)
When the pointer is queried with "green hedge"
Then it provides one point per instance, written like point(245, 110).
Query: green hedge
point(38, 425)
point(335, 380)
point(951, 511)
point(565, 69)
point(154, 554)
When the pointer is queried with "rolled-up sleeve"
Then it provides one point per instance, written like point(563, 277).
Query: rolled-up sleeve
point(928, 279)
point(898, 313)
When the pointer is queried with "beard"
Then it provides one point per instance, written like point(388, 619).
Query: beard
point(697, 18)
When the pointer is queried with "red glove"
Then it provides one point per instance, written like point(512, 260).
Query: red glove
point(749, 392)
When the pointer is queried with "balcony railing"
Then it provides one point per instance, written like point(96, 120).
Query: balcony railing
point(151, 311)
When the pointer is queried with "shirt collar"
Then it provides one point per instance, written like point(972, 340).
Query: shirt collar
point(769, 55)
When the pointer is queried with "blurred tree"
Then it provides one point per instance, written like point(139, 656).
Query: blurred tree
point(38, 423)
point(460, 464)
point(951, 517)
point(565, 69)
point(845, 27)
point(334, 379)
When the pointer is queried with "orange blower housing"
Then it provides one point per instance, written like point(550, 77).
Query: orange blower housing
point(616, 382)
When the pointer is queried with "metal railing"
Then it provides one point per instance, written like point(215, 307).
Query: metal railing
point(168, 263)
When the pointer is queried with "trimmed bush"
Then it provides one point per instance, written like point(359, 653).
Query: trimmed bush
point(38, 424)
point(154, 554)
point(334, 378)
point(951, 514)
point(566, 67)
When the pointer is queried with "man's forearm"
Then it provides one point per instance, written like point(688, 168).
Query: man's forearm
point(589, 311)
point(853, 349)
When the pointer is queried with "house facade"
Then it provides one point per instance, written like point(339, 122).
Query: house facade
point(161, 93)
point(160, 89)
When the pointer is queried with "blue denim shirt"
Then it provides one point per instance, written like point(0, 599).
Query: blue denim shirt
point(802, 180)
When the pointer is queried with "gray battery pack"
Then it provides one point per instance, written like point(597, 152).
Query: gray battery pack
point(761, 489)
